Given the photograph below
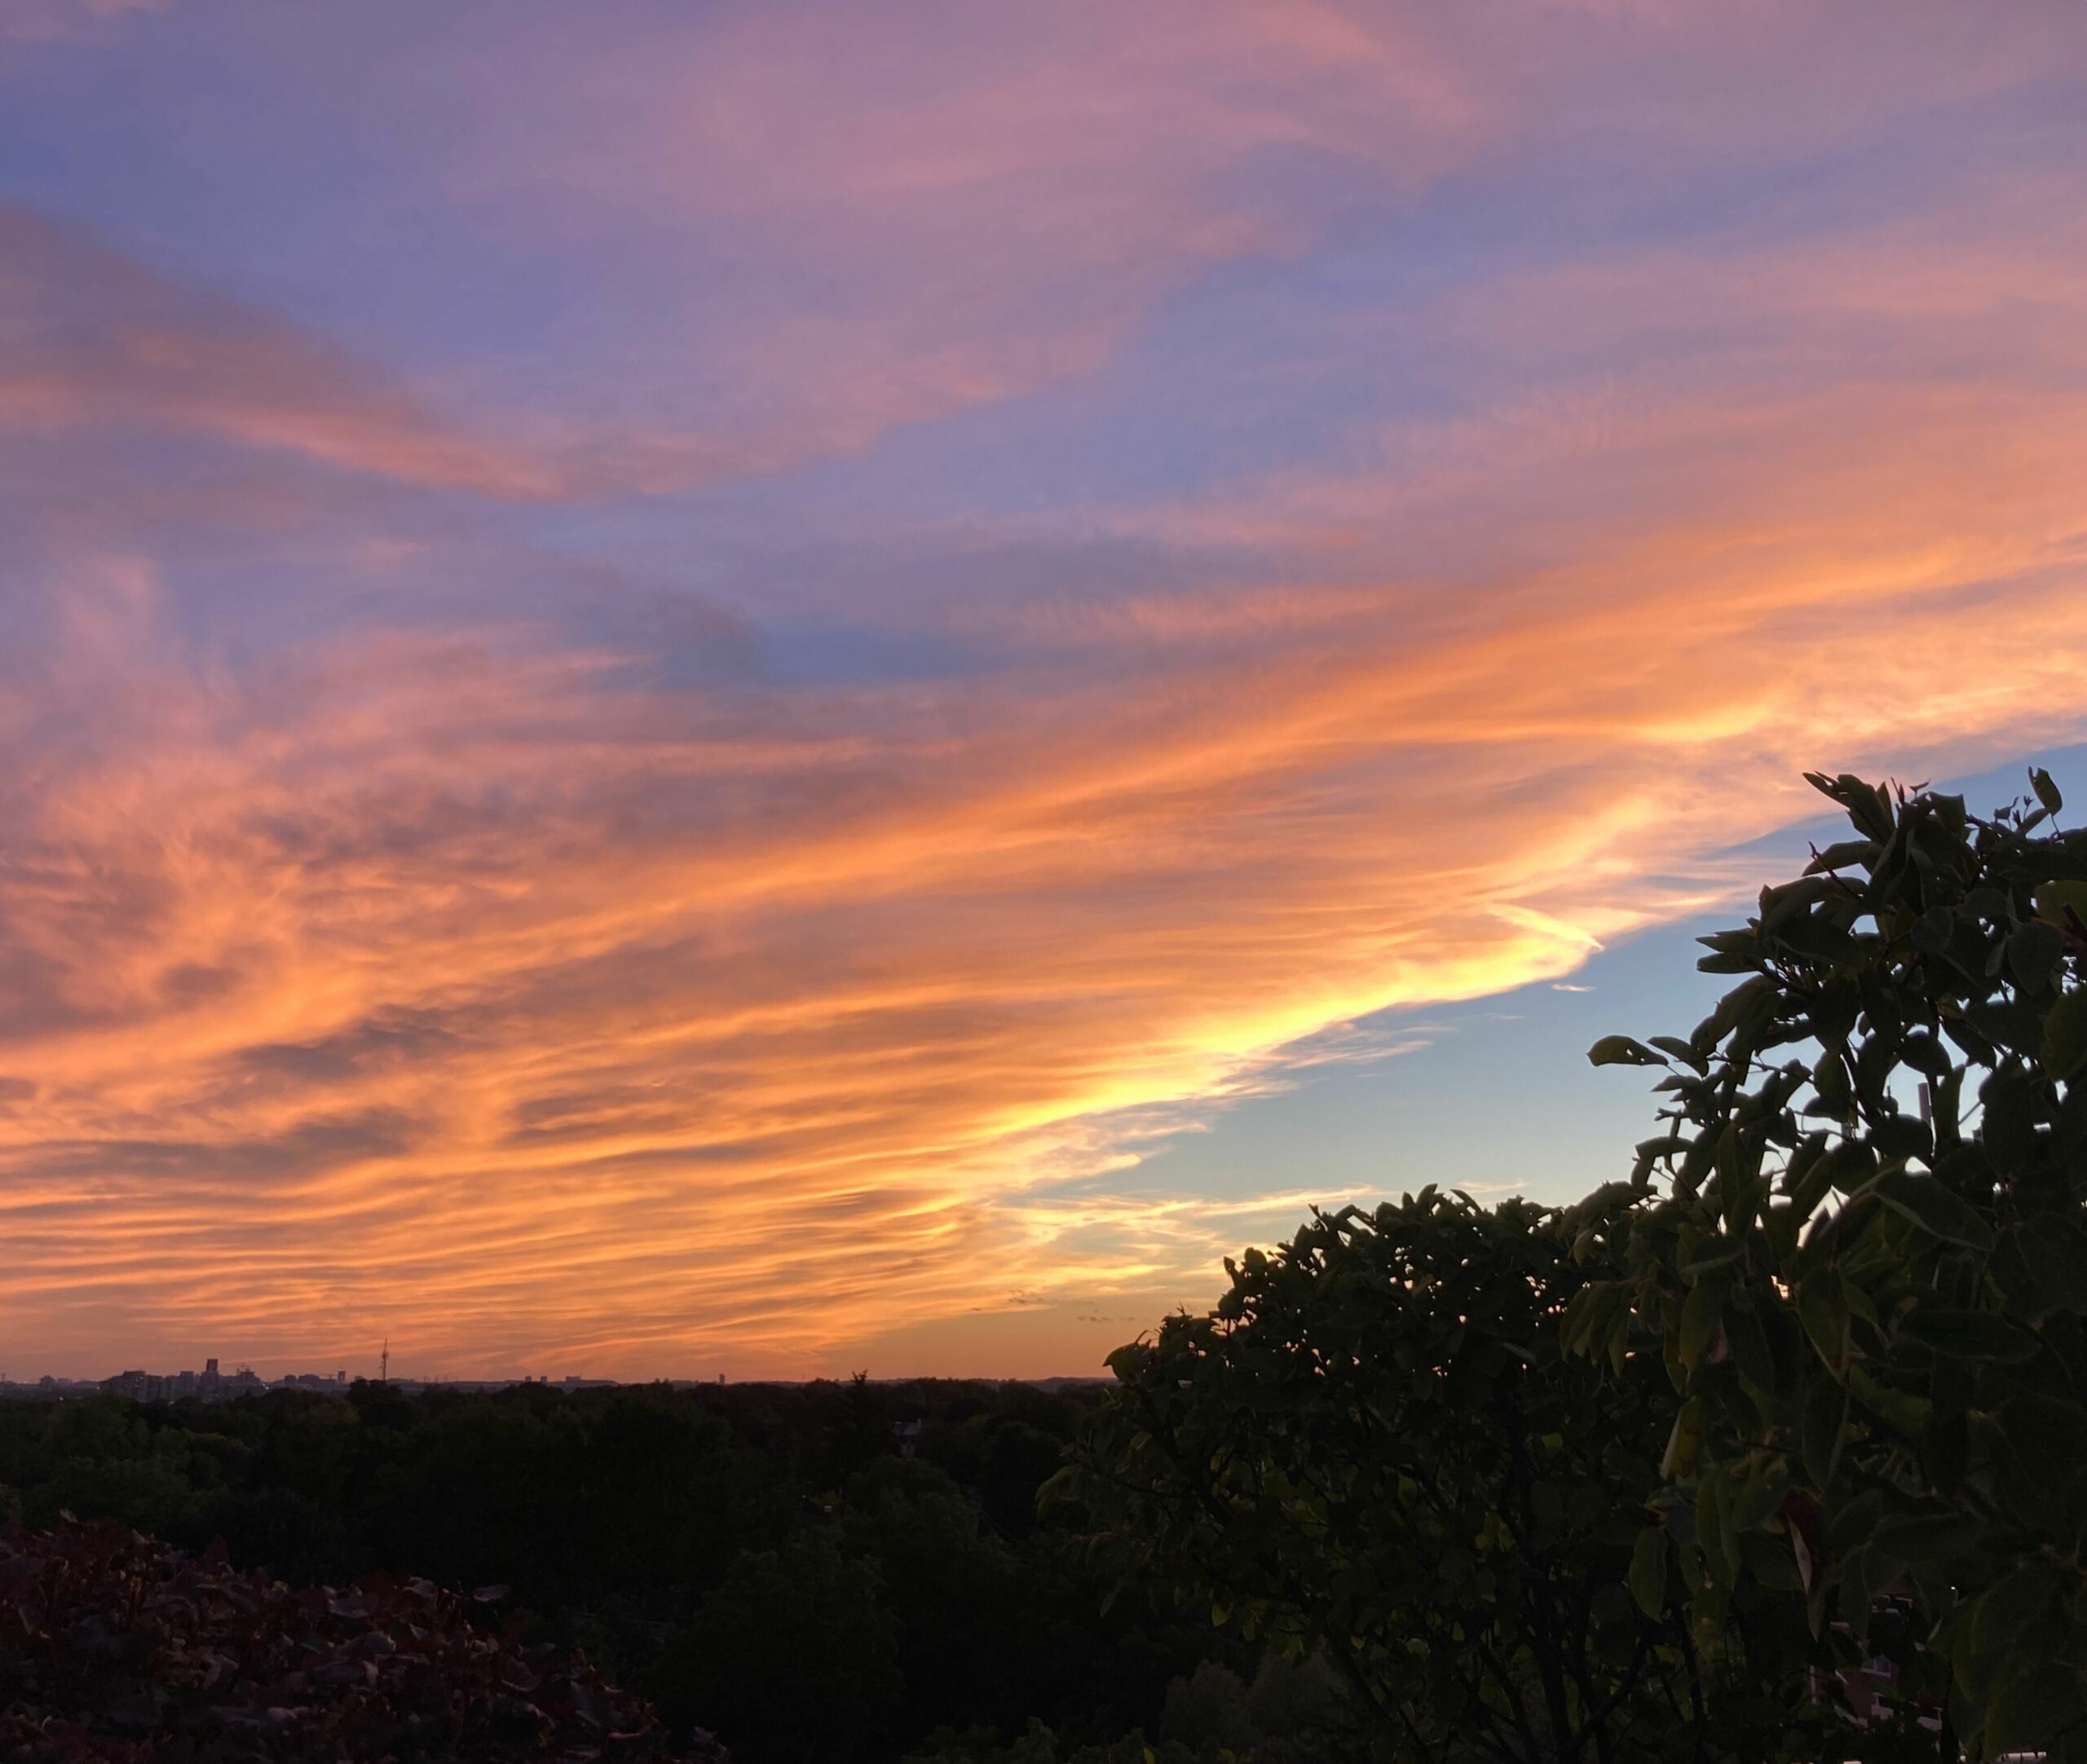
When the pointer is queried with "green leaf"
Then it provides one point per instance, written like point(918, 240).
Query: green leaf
point(1757, 1493)
point(1849, 1525)
point(1829, 1079)
point(1684, 1442)
point(2057, 1261)
point(2039, 781)
point(1850, 1165)
point(2065, 1035)
point(1769, 1560)
point(1648, 1578)
point(1715, 1252)
point(1780, 905)
point(1867, 806)
point(1718, 963)
point(2031, 1707)
point(1929, 1536)
point(1934, 1208)
point(1824, 1426)
point(1968, 1335)
point(2005, 1609)
point(2054, 899)
point(1713, 1531)
point(1749, 1342)
point(1824, 1318)
point(2033, 949)
point(1620, 1050)
point(1810, 1174)
point(1701, 1312)
point(1846, 854)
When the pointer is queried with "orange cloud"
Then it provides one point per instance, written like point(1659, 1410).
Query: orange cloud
point(470, 977)
point(439, 987)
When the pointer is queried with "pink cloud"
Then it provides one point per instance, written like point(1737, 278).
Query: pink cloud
point(91, 341)
point(464, 971)
point(94, 344)
point(931, 210)
point(45, 21)
point(582, 1019)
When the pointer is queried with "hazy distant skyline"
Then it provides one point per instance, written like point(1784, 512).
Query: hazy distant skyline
point(765, 688)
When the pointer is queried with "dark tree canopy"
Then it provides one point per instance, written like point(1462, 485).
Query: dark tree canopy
point(1375, 1449)
point(1860, 1248)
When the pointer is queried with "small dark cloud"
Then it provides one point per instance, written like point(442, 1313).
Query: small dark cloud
point(34, 1000)
point(310, 1147)
point(196, 983)
point(389, 1038)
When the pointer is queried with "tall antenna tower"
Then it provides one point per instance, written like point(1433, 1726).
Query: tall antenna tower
point(384, 1362)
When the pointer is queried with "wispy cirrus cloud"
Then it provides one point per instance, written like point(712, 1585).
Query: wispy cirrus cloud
point(629, 1024)
point(973, 205)
point(90, 340)
point(97, 348)
point(544, 923)
point(919, 216)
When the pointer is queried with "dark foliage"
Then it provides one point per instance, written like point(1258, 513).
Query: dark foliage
point(1865, 1267)
point(1374, 1451)
point(758, 1560)
point(116, 1649)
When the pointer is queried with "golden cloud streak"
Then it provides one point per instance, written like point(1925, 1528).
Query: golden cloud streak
point(449, 975)
point(435, 981)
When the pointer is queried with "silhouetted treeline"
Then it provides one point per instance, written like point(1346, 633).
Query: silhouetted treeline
point(762, 1560)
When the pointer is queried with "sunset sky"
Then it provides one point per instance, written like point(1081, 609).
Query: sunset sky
point(772, 687)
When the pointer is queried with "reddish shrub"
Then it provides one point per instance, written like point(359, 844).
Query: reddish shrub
point(115, 1649)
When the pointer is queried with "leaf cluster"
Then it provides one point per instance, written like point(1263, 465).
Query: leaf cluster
point(1377, 1448)
point(1859, 1248)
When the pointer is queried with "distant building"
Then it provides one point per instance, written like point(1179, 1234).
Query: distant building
point(209, 1386)
point(213, 1384)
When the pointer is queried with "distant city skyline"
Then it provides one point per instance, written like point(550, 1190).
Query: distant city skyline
point(787, 686)
point(244, 1376)
point(141, 1385)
